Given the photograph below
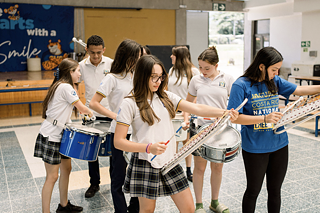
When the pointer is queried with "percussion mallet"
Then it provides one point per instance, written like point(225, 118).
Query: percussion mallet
point(183, 124)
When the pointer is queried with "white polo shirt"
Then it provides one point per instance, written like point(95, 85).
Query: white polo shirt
point(115, 87)
point(92, 76)
point(211, 92)
point(129, 115)
point(60, 108)
point(180, 89)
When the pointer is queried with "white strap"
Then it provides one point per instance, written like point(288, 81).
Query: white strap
point(55, 122)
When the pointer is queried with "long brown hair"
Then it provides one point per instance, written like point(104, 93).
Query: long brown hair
point(182, 66)
point(141, 89)
point(126, 57)
point(64, 76)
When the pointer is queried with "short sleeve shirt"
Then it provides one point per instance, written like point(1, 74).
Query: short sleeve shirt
point(260, 138)
point(92, 76)
point(60, 108)
point(163, 130)
point(115, 87)
point(211, 92)
point(181, 87)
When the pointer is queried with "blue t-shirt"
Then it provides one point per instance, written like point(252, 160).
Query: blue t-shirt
point(260, 138)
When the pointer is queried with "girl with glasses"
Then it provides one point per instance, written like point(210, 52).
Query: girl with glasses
point(149, 110)
point(179, 78)
point(212, 87)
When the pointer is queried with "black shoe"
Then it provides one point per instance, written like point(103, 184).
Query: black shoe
point(190, 177)
point(92, 191)
point(69, 208)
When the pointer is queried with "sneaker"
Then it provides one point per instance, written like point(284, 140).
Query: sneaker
point(92, 191)
point(190, 177)
point(69, 208)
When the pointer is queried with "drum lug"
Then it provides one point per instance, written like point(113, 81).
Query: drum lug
point(91, 140)
point(71, 134)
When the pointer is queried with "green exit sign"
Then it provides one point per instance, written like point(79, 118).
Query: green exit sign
point(218, 7)
point(305, 43)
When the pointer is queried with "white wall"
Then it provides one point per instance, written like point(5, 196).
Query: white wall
point(311, 32)
point(197, 33)
point(285, 36)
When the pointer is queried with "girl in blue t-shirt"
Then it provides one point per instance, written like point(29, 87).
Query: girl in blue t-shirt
point(264, 153)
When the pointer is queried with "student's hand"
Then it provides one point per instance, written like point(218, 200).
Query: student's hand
point(158, 148)
point(273, 117)
point(234, 115)
point(186, 127)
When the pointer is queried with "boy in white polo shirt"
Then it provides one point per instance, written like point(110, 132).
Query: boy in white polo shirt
point(93, 69)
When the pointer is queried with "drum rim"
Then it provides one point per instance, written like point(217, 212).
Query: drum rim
point(87, 132)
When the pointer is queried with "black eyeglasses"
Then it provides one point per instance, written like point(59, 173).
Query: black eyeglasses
point(155, 79)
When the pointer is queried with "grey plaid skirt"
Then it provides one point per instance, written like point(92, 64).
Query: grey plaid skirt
point(142, 180)
point(48, 150)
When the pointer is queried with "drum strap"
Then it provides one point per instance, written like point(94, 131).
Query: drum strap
point(55, 122)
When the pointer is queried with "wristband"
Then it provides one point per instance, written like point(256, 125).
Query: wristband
point(265, 119)
point(148, 148)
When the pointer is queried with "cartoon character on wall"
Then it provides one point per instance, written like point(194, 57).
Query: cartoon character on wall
point(53, 56)
point(13, 11)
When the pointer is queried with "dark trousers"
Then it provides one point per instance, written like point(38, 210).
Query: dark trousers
point(118, 174)
point(94, 171)
point(274, 166)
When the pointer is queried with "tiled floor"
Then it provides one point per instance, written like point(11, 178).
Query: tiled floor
point(22, 175)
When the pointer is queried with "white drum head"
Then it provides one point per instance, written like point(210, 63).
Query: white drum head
point(228, 138)
point(84, 128)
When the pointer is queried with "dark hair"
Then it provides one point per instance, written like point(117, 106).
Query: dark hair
point(141, 89)
point(209, 55)
point(182, 66)
point(147, 50)
point(64, 76)
point(126, 57)
point(95, 40)
point(267, 56)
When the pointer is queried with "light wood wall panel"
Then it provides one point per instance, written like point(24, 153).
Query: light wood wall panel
point(146, 26)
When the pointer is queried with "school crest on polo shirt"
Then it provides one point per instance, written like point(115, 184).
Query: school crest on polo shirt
point(222, 84)
point(106, 71)
point(73, 92)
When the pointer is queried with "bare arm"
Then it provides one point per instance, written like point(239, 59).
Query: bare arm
point(82, 108)
point(121, 142)
point(273, 117)
point(96, 106)
point(307, 90)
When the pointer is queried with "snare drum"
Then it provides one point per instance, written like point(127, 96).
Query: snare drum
point(221, 148)
point(81, 142)
point(177, 121)
point(105, 146)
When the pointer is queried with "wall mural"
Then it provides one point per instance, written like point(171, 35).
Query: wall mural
point(33, 30)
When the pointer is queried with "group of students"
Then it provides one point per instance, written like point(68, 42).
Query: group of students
point(141, 98)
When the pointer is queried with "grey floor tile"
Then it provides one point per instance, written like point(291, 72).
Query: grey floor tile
point(19, 176)
point(26, 203)
point(19, 184)
point(5, 206)
point(24, 193)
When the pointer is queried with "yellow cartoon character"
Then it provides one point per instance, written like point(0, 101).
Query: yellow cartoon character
point(52, 58)
point(13, 11)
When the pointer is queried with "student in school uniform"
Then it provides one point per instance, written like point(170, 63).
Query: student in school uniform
point(150, 110)
point(212, 87)
point(179, 78)
point(57, 110)
point(93, 69)
point(115, 86)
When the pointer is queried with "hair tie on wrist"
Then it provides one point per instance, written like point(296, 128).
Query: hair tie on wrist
point(148, 148)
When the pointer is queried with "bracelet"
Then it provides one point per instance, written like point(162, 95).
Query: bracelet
point(265, 119)
point(148, 148)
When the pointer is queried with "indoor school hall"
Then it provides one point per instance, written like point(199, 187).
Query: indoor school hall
point(35, 36)
point(22, 176)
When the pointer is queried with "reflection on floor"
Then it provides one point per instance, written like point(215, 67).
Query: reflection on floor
point(22, 175)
